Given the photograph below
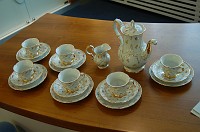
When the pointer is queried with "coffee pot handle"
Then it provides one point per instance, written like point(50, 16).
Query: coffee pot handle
point(118, 21)
point(87, 48)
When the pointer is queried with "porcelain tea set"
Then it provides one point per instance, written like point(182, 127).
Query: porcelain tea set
point(170, 70)
point(71, 86)
point(26, 75)
point(33, 50)
point(66, 56)
point(117, 90)
point(133, 52)
point(101, 57)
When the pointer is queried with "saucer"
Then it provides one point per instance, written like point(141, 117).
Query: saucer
point(58, 89)
point(172, 84)
point(159, 73)
point(79, 55)
point(130, 94)
point(42, 53)
point(19, 82)
point(54, 62)
point(31, 85)
point(88, 89)
point(107, 104)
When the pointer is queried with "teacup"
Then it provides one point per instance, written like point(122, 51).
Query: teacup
point(66, 53)
point(171, 65)
point(31, 46)
point(69, 78)
point(24, 70)
point(117, 84)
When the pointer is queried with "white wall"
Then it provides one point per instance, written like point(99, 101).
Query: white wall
point(17, 14)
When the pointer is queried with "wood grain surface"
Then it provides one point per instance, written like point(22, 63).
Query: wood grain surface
point(159, 109)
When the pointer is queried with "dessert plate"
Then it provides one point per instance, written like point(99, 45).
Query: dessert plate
point(172, 84)
point(130, 94)
point(88, 88)
point(84, 82)
point(127, 104)
point(159, 73)
point(79, 60)
point(42, 53)
point(31, 85)
point(38, 70)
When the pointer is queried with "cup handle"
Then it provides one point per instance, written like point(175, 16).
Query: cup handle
point(181, 68)
point(87, 48)
point(132, 83)
point(82, 75)
point(74, 56)
point(28, 53)
point(38, 48)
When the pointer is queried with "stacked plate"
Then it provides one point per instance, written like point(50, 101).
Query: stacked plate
point(107, 99)
point(63, 95)
point(44, 50)
point(56, 65)
point(16, 83)
point(157, 74)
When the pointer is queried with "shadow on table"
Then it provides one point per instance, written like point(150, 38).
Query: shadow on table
point(174, 90)
point(119, 112)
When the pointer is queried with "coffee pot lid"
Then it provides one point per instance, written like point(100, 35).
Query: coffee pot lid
point(132, 29)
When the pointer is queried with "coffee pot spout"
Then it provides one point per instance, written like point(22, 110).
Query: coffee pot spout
point(149, 44)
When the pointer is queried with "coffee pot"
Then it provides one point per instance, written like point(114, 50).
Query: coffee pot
point(133, 52)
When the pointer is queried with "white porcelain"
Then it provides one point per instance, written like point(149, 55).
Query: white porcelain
point(124, 105)
point(18, 81)
point(53, 67)
point(159, 73)
point(75, 97)
point(59, 89)
point(172, 84)
point(31, 47)
point(23, 70)
point(57, 66)
point(69, 79)
point(33, 84)
point(117, 84)
point(133, 52)
point(43, 51)
point(130, 93)
point(171, 65)
point(101, 56)
point(65, 53)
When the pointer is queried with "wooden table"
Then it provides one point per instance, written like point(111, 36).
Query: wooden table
point(159, 109)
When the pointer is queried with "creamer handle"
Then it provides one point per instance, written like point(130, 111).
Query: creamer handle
point(87, 48)
point(118, 21)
